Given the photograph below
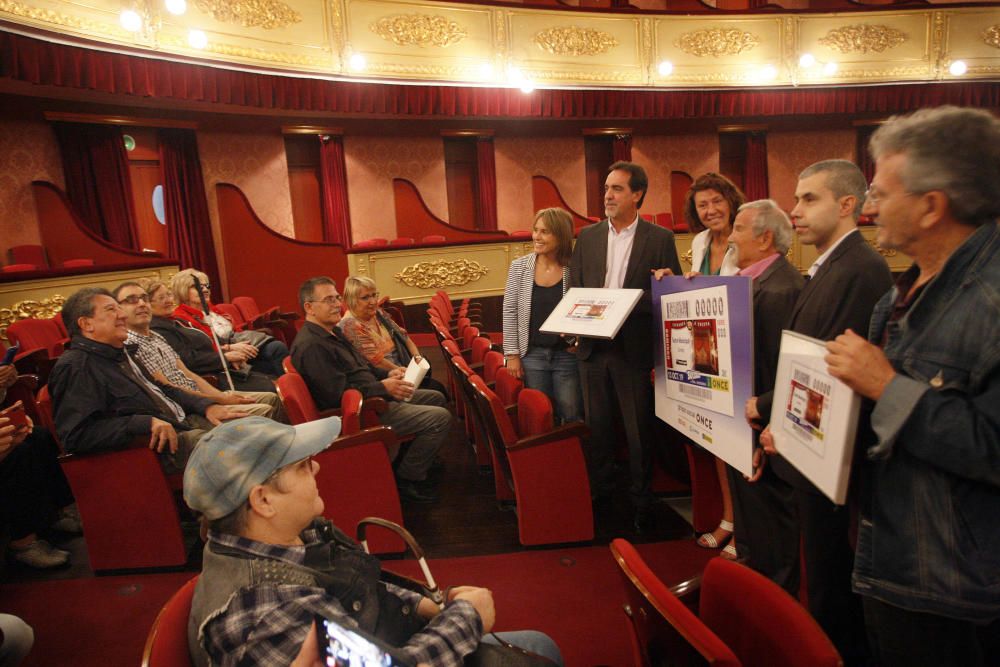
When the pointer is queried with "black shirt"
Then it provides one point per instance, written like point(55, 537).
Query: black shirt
point(543, 302)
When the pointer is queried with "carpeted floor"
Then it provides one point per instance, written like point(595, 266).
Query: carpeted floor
point(575, 595)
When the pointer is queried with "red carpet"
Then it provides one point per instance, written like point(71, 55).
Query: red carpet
point(573, 594)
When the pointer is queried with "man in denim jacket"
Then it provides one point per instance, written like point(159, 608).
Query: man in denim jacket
point(928, 552)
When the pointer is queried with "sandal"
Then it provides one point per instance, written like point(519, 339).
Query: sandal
point(708, 541)
point(729, 553)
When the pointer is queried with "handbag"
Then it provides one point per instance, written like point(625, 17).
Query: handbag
point(256, 338)
point(502, 654)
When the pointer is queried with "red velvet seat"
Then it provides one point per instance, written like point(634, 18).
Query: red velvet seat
point(521, 234)
point(465, 406)
point(82, 261)
point(234, 315)
point(403, 241)
point(129, 515)
point(15, 268)
point(33, 333)
point(279, 323)
point(372, 243)
point(167, 642)
point(743, 618)
point(434, 238)
point(492, 362)
point(664, 220)
point(28, 254)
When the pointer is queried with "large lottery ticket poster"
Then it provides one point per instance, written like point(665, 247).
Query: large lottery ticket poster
point(704, 364)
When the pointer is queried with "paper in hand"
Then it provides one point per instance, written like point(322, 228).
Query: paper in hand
point(416, 371)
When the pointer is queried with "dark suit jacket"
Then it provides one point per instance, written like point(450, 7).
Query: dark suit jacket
point(652, 248)
point(774, 294)
point(840, 296)
point(330, 365)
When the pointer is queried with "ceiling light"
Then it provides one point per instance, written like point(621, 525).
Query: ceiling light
point(176, 7)
point(357, 62)
point(830, 68)
point(666, 68)
point(807, 60)
point(197, 39)
point(768, 72)
point(130, 20)
point(486, 70)
point(527, 87)
point(958, 68)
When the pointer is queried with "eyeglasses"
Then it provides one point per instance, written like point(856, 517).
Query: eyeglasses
point(165, 298)
point(206, 287)
point(369, 297)
point(274, 475)
point(873, 195)
point(135, 299)
point(329, 300)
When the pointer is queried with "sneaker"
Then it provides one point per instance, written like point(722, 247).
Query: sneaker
point(68, 524)
point(40, 555)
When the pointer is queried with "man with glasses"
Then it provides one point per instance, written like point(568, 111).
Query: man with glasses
point(152, 351)
point(330, 364)
point(102, 399)
point(845, 282)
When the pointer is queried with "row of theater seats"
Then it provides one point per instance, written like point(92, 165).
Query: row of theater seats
point(401, 241)
point(33, 258)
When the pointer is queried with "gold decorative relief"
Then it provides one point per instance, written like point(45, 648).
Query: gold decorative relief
point(863, 38)
point(879, 249)
point(573, 41)
point(267, 14)
point(22, 10)
point(716, 42)
point(441, 273)
point(41, 309)
point(418, 30)
point(688, 257)
point(992, 36)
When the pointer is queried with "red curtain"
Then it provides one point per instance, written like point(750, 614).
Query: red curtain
point(97, 180)
point(861, 156)
point(189, 229)
point(486, 205)
point(755, 172)
point(621, 148)
point(38, 62)
point(333, 191)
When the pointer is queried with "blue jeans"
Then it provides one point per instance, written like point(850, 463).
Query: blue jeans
point(554, 372)
point(538, 643)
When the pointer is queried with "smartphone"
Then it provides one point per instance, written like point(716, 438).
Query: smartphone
point(15, 413)
point(340, 646)
point(8, 357)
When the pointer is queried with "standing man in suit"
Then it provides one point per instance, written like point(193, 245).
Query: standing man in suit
point(761, 236)
point(845, 282)
point(621, 252)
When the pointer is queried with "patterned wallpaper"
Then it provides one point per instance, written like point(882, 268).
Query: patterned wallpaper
point(788, 153)
point(28, 152)
point(691, 153)
point(520, 158)
point(373, 161)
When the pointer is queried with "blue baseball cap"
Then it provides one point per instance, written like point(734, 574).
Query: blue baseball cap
point(238, 455)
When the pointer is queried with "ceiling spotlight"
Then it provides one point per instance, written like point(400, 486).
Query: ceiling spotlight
point(130, 20)
point(357, 62)
point(807, 60)
point(958, 68)
point(768, 72)
point(830, 68)
point(527, 87)
point(176, 7)
point(486, 70)
point(666, 68)
point(197, 39)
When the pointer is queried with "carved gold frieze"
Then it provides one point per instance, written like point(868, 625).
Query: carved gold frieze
point(574, 41)
point(58, 18)
point(418, 30)
point(863, 38)
point(267, 14)
point(879, 249)
point(41, 309)
point(716, 42)
point(441, 273)
point(991, 36)
point(293, 59)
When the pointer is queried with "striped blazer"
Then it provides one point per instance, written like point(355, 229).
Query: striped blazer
point(517, 304)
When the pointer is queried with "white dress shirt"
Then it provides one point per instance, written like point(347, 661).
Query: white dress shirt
point(826, 255)
point(619, 250)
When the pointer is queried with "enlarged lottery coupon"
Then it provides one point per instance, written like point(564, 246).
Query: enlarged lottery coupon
point(808, 409)
point(589, 309)
point(697, 348)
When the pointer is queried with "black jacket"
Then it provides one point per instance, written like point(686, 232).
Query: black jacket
point(98, 407)
point(330, 365)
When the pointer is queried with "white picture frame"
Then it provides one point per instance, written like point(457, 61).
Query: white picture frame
point(593, 312)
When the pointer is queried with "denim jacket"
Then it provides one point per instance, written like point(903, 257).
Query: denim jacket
point(929, 535)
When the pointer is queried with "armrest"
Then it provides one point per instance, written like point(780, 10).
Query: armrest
point(576, 429)
point(330, 412)
point(476, 367)
point(138, 442)
point(376, 403)
point(688, 592)
point(511, 410)
point(25, 382)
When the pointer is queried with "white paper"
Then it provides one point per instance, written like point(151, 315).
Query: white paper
point(594, 312)
point(415, 372)
point(814, 417)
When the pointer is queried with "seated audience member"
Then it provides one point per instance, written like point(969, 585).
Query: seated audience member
point(380, 340)
point(16, 640)
point(102, 399)
point(195, 347)
point(329, 364)
point(260, 350)
point(153, 352)
point(272, 564)
point(34, 493)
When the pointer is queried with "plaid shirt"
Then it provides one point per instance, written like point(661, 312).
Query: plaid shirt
point(158, 357)
point(266, 624)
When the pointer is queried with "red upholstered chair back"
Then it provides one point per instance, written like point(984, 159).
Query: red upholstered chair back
point(492, 362)
point(468, 335)
point(507, 387)
point(372, 243)
point(433, 238)
point(28, 254)
point(287, 364)
point(233, 313)
point(665, 220)
point(247, 306)
point(31, 334)
point(521, 234)
point(167, 644)
point(664, 630)
point(73, 263)
point(451, 347)
point(351, 403)
point(403, 241)
point(759, 621)
point(480, 346)
point(461, 324)
point(534, 413)
point(495, 411)
point(299, 403)
point(60, 324)
point(15, 268)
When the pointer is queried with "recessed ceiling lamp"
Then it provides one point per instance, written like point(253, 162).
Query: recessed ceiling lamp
point(958, 68)
point(830, 68)
point(197, 39)
point(527, 87)
point(357, 62)
point(807, 60)
point(767, 73)
point(665, 68)
point(176, 7)
point(130, 20)
point(486, 71)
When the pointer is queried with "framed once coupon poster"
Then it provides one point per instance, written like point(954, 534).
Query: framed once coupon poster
point(704, 364)
point(592, 311)
point(814, 418)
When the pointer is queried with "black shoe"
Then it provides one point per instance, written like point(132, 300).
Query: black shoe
point(415, 492)
point(643, 522)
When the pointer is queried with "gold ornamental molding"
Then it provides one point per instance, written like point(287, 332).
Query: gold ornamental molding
point(441, 273)
point(21, 10)
point(266, 14)
point(419, 30)
point(574, 41)
point(879, 249)
point(41, 309)
point(863, 38)
point(991, 36)
point(716, 42)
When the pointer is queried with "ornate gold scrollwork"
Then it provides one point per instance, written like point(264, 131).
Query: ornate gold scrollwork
point(30, 308)
point(688, 257)
point(441, 273)
point(418, 30)
point(716, 42)
point(267, 14)
point(991, 36)
point(879, 249)
point(573, 41)
point(863, 38)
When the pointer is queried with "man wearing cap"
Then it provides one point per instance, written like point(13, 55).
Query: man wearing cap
point(271, 565)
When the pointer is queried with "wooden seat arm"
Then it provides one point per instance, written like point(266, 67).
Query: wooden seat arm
point(375, 403)
point(576, 429)
point(688, 592)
